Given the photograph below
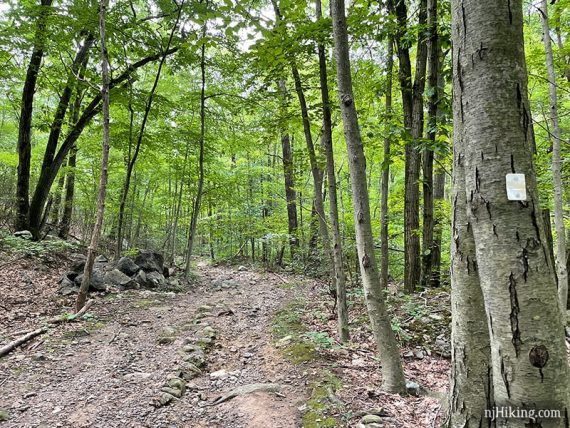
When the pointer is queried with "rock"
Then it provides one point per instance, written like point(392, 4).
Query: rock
point(196, 358)
point(118, 278)
point(97, 281)
point(173, 283)
point(78, 264)
point(284, 341)
point(419, 354)
point(163, 399)
point(167, 335)
point(378, 411)
point(172, 391)
point(177, 383)
point(127, 266)
point(150, 279)
point(137, 376)
point(370, 419)
point(140, 278)
point(4, 415)
point(242, 269)
point(413, 388)
point(101, 259)
point(70, 275)
point(189, 348)
point(24, 234)
point(38, 356)
point(209, 332)
point(155, 280)
point(219, 374)
point(188, 371)
point(229, 284)
point(67, 287)
point(150, 261)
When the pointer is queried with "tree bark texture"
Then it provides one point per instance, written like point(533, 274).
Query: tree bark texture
point(493, 125)
point(392, 373)
point(92, 249)
point(24, 145)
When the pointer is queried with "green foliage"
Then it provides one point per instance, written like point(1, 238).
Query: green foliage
point(321, 339)
point(25, 247)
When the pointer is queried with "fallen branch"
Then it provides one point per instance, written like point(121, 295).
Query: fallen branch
point(115, 335)
point(281, 278)
point(63, 318)
point(247, 389)
point(21, 340)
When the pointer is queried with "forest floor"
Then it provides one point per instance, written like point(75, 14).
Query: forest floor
point(107, 370)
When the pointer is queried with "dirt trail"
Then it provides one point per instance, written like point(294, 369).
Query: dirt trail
point(106, 372)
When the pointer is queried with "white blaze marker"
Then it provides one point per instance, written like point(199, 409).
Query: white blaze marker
point(516, 187)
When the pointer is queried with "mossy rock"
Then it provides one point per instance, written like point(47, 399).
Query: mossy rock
point(299, 353)
point(4, 415)
point(318, 404)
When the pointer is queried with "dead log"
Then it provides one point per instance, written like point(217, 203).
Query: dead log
point(63, 318)
point(5, 350)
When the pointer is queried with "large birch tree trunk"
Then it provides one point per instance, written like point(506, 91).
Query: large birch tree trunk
point(516, 276)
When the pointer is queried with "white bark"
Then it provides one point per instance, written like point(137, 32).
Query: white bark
point(556, 164)
point(528, 352)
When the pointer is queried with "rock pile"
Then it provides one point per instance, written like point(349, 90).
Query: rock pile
point(146, 271)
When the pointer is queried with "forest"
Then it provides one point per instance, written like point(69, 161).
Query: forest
point(285, 213)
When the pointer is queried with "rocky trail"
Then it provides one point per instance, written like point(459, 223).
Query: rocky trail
point(235, 347)
point(112, 370)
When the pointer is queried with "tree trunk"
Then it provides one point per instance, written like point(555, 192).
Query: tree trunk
point(471, 389)
point(412, 102)
point(198, 200)
point(438, 198)
point(179, 205)
point(88, 270)
point(25, 124)
point(385, 181)
point(133, 159)
point(36, 206)
point(315, 170)
point(56, 208)
point(438, 188)
point(289, 174)
point(556, 163)
point(327, 144)
point(428, 154)
point(524, 318)
point(65, 223)
point(392, 373)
